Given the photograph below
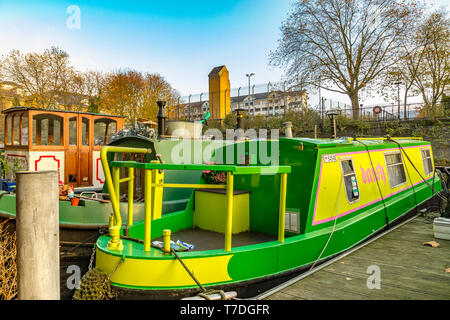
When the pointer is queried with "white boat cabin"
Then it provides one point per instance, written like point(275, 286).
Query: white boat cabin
point(66, 141)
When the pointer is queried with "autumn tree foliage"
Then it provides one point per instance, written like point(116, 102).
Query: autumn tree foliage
point(43, 75)
point(343, 45)
point(134, 94)
point(51, 82)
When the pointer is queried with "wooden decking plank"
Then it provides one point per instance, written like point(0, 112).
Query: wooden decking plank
point(441, 275)
point(403, 279)
point(324, 289)
point(432, 262)
point(283, 296)
point(409, 270)
point(435, 272)
point(338, 287)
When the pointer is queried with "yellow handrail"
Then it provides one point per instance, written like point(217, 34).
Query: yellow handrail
point(230, 192)
point(281, 218)
point(148, 210)
point(113, 185)
point(113, 188)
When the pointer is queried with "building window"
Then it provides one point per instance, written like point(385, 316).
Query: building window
point(427, 162)
point(395, 169)
point(350, 182)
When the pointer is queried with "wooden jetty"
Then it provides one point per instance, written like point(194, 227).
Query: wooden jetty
point(409, 270)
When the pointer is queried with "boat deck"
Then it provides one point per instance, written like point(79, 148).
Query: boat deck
point(209, 240)
point(408, 270)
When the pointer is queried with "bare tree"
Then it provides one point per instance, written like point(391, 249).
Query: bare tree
point(434, 70)
point(402, 75)
point(343, 45)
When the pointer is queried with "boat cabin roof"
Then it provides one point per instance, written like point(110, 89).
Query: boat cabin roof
point(24, 108)
point(347, 141)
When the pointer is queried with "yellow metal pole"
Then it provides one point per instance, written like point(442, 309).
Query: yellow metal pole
point(148, 210)
point(116, 221)
point(166, 239)
point(281, 218)
point(190, 186)
point(130, 195)
point(228, 232)
point(116, 181)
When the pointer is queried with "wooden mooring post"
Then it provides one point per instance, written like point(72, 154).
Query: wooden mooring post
point(37, 228)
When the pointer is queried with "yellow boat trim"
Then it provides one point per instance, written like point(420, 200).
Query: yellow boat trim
point(164, 272)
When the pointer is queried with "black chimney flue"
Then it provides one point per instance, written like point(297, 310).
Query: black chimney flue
point(161, 118)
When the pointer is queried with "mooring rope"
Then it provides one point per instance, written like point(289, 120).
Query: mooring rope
point(378, 185)
point(334, 226)
point(82, 243)
point(187, 269)
point(410, 161)
point(204, 294)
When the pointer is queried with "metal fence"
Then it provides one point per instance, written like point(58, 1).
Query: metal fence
point(268, 99)
point(274, 99)
point(384, 112)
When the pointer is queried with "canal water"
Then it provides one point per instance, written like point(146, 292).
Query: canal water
point(73, 265)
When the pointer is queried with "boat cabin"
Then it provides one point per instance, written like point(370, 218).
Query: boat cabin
point(66, 141)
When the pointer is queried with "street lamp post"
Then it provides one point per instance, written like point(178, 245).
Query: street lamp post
point(398, 83)
point(332, 115)
point(249, 76)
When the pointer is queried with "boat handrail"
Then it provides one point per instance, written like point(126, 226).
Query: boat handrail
point(115, 221)
point(385, 138)
point(113, 184)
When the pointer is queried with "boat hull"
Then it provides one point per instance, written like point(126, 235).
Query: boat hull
point(302, 254)
point(83, 222)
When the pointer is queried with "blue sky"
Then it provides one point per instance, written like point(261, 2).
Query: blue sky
point(181, 40)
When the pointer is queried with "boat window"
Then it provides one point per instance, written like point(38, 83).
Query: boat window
point(9, 129)
point(112, 129)
point(43, 132)
point(16, 129)
point(395, 169)
point(73, 131)
point(104, 128)
point(47, 130)
point(350, 182)
point(85, 132)
point(427, 162)
point(24, 131)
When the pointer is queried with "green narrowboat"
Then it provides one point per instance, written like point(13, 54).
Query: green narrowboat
point(84, 221)
point(284, 206)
